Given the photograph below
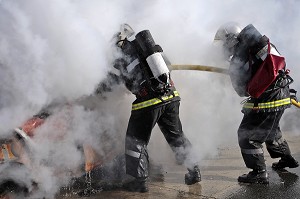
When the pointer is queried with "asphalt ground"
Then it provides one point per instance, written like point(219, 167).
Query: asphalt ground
point(219, 180)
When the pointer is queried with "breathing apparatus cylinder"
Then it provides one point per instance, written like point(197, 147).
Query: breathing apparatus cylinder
point(154, 59)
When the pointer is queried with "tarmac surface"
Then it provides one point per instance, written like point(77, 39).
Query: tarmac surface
point(219, 180)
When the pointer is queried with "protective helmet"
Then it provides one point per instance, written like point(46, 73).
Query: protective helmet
point(125, 32)
point(228, 34)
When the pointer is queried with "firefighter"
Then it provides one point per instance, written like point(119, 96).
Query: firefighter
point(144, 71)
point(250, 53)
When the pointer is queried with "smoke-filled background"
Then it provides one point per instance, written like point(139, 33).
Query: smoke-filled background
point(60, 50)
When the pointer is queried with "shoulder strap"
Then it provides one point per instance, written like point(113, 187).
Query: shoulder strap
point(269, 46)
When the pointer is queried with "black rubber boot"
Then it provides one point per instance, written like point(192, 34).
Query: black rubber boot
point(259, 177)
point(286, 161)
point(193, 176)
point(137, 185)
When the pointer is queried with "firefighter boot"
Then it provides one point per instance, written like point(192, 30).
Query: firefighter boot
point(286, 161)
point(137, 185)
point(193, 176)
point(255, 176)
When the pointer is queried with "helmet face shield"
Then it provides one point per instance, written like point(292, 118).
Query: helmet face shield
point(228, 34)
point(226, 30)
point(125, 32)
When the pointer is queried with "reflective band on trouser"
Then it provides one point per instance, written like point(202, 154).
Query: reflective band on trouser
point(252, 151)
point(153, 101)
point(133, 153)
point(272, 104)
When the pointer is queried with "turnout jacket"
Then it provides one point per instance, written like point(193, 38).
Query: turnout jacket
point(244, 64)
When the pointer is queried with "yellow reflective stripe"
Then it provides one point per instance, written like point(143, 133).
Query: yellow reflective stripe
point(153, 101)
point(272, 104)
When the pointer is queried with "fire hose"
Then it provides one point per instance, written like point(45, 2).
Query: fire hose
point(200, 68)
point(215, 70)
point(295, 103)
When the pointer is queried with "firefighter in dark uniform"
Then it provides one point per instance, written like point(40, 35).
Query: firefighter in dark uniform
point(247, 50)
point(144, 71)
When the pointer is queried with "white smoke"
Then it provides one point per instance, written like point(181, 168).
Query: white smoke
point(59, 50)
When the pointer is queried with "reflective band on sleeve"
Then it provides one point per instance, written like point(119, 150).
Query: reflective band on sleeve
point(252, 151)
point(153, 101)
point(272, 104)
point(133, 153)
point(132, 65)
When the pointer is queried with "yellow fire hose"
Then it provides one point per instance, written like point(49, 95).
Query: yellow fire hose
point(295, 103)
point(212, 69)
point(199, 67)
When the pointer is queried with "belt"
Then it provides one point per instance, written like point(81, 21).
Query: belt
point(265, 105)
point(153, 101)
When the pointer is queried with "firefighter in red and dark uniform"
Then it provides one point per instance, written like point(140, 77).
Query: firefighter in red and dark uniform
point(144, 71)
point(247, 50)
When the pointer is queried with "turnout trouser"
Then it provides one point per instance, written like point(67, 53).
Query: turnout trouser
point(138, 134)
point(256, 129)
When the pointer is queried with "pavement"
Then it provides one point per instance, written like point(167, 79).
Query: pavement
point(219, 180)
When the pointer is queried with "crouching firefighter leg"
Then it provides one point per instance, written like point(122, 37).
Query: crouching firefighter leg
point(137, 164)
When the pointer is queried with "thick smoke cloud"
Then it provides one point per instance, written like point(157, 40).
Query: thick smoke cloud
point(59, 50)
